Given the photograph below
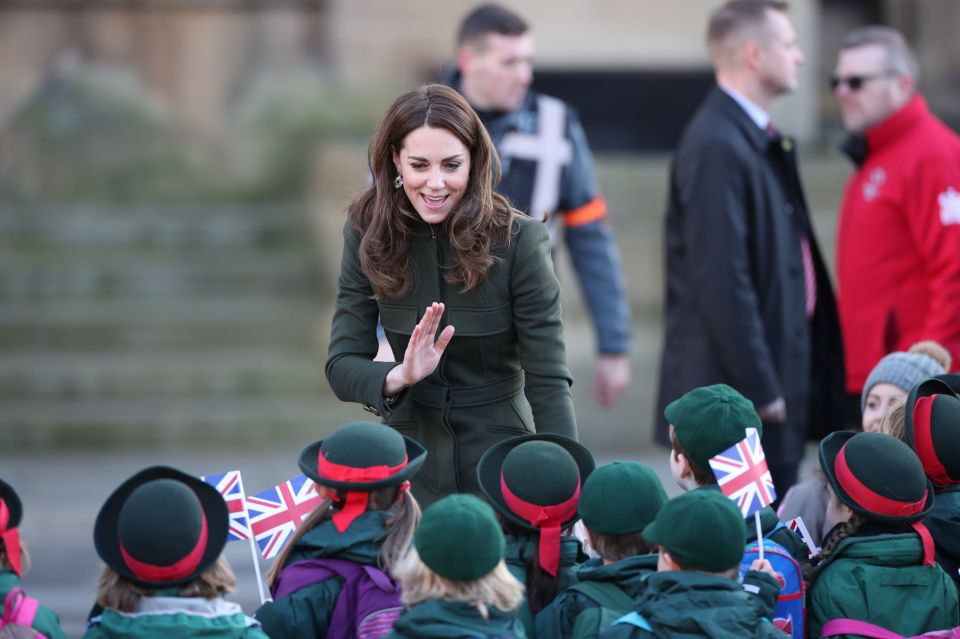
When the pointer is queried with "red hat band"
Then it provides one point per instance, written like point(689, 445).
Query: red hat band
point(548, 519)
point(923, 442)
point(177, 570)
point(881, 505)
point(356, 503)
point(11, 538)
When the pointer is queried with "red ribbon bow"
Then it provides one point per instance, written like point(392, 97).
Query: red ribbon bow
point(356, 501)
point(11, 538)
point(548, 519)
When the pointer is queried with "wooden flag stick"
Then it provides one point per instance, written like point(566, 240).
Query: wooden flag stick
point(756, 519)
point(256, 568)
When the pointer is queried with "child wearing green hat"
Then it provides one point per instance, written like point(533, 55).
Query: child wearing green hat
point(931, 419)
point(534, 484)
point(618, 500)
point(877, 564)
point(704, 423)
point(695, 592)
point(14, 563)
point(359, 530)
point(160, 535)
point(454, 579)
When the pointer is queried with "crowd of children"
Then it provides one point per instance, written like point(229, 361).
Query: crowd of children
point(366, 564)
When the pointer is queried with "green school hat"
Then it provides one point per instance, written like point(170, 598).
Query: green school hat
point(932, 425)
point(877, 476)
point(534, 481)
point(701, 529)
point(710, 419)
point(459, 538)
point(621, 498)
point(14, 507)
point(161, 527)
point(359, 458)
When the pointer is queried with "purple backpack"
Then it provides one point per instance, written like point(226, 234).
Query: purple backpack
point(368, 603)
point(19, 611)
point(836, 627)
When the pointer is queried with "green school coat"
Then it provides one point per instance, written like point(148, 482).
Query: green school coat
point(504, 373)
point(689, 605)
point(455, 620)
point(881, 579)
point(515, 556)
point(46, 621)
point(165, 617)
point(557, 619)
point(306, 613)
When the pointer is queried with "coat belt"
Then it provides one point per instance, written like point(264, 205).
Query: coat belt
point(436, 396)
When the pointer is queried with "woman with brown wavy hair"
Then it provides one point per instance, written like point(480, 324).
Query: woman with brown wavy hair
point(429, 246)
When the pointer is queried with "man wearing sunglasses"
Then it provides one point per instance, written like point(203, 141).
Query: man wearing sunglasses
point(748, 300)
point(898, 244)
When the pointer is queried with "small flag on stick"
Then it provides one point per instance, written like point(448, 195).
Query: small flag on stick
point(230, 485)
point(743, 476)
point(276, 513)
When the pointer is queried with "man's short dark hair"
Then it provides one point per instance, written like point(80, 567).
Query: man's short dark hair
point(735, 16)
point(900, 58)
point(487, 19)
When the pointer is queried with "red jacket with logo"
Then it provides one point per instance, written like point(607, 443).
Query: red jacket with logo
point(898, 244)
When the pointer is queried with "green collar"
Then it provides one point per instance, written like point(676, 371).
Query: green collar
point(455, 619)
point(360, 542)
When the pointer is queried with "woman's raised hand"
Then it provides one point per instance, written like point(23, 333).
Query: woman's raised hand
point(423, 353)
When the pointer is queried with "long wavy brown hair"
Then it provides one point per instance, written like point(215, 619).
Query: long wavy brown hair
point(385, 218)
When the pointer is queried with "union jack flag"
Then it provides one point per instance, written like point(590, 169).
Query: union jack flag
point(230, 485)
point(742, 474)
point(275, 513)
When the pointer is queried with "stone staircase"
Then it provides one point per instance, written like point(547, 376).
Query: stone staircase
point(160, 324)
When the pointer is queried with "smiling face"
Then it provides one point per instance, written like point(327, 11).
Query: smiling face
point(879, 400)
point(435, 166)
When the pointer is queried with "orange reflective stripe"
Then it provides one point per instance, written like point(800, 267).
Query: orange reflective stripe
point(595, 209)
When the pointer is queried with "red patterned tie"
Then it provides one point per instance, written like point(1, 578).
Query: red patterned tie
point(809, 275)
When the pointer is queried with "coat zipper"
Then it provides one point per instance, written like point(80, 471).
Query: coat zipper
point(445, 418)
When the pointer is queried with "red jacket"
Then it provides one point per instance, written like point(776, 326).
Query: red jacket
point(898, 244)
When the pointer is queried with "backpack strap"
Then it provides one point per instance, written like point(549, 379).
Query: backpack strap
point(20, 609)
point(604, 593)
point(634, 619)
point(836, 627)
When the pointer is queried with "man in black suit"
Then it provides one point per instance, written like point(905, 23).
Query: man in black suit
point(749, 302)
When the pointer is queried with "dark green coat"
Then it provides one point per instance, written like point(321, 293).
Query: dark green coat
point(46, 621)
point(689, 605)
point(516, 554)
point(504, 373)
point(306, 613)
point(455, 620)
point(557, 619)
point(944, 524)
point(881, 579)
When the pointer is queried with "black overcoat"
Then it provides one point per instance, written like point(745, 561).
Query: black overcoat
point(735, 290)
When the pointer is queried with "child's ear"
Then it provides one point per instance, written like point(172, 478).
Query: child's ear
point(686, 472)
point(665, 560)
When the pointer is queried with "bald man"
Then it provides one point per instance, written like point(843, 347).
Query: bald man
point(748, 300)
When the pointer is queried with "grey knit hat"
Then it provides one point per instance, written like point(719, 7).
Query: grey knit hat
point(905, 370)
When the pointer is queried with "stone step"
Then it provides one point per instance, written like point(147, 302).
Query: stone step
point(47, 375)
point(44, 275)
point(163, 323)
point(142, 226)
point(159, 420)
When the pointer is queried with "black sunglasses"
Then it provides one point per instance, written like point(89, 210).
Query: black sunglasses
point(856, 82)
